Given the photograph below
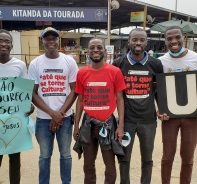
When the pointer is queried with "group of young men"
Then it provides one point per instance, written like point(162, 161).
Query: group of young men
point(128, 84)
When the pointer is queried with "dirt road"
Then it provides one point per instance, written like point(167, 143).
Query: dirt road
point(29, 168)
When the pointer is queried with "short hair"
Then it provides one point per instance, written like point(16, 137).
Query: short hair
point(173, 27)
point(7, 32)
point(136, 29)
point(97, 39)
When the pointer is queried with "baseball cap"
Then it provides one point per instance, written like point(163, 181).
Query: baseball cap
point(47, 30)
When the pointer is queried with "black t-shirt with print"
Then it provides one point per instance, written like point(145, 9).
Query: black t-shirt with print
point(140, 94)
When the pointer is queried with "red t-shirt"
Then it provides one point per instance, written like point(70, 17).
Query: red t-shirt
point(99, 88)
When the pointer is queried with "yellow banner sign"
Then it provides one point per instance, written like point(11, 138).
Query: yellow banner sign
point(137, 17)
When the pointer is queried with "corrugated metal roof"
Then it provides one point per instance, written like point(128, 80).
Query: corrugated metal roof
point(119, 18)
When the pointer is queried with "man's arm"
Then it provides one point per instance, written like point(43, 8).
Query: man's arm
point(31, 111)
point(159, 69)
point(120, 108)
point(79, 110)
point(163, 116)
point(57, 117)
point(70, 99)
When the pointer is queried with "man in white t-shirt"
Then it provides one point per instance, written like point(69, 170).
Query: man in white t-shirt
point(11, 67)
point(151, 52)
point(178, 59)
point(55, 75)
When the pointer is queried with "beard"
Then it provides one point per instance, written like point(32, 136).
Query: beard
point(3, 54)
point(97, 60)
point(137, 53)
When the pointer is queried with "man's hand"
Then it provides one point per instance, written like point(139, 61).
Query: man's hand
point(76, 132)
point(162, 117)
point(53, 126)
point(119, 133)
point(32, 108)
point(58, 117)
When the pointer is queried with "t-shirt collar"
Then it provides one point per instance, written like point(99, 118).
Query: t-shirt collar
point(133, 61)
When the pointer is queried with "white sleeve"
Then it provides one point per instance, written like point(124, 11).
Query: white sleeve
point(24, 71)
point(73, 71)
point(32, 72)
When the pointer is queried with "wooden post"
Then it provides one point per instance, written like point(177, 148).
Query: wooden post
point(108, 23)
point(145, 13)
point(1, 24)
point(170, 16)
point(186, 37)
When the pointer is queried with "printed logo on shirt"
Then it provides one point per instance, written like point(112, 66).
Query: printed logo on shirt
point(178, 70)
point(96, 83)
point(52, 82)
point(53, 70)
point(136, 72)
point(96, 108)
point(137, 96)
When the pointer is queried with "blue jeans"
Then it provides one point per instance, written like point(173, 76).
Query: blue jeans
point(45, 139)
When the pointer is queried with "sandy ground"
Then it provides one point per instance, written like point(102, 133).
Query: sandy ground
point(29, 168)
point(29, 165)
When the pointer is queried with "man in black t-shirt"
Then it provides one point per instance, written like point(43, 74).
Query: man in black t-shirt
point(139, 70)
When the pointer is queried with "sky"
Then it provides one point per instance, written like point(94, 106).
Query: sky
point(187, 7)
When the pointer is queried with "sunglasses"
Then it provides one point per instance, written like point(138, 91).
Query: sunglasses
point(5, 41)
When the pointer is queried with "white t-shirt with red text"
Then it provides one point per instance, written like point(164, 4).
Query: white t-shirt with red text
point(53, 77)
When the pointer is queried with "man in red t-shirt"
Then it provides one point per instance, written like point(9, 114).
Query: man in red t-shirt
point(99, 86)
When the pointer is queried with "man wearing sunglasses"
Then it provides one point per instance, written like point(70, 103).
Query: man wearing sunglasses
point(55, 75)
point(139, 70)
point(100, 87)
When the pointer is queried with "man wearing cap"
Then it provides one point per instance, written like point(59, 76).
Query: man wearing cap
point(54, 73)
